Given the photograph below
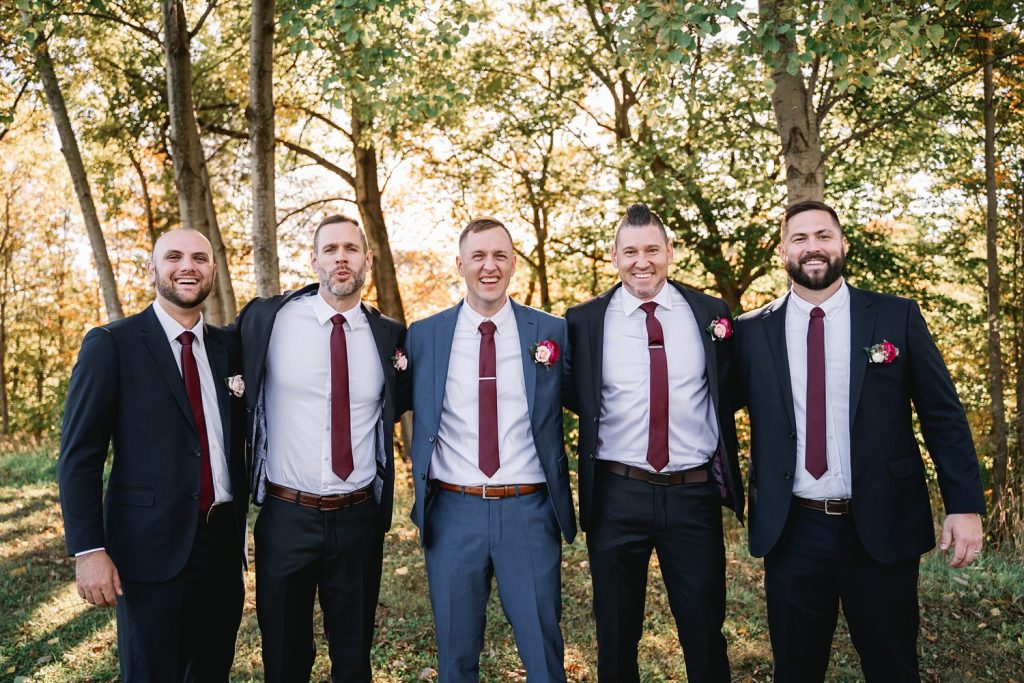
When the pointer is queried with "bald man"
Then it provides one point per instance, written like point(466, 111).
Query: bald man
point(164, 545)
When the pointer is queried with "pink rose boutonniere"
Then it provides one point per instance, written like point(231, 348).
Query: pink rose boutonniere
point(400, 361)
point(882, 353)
point(236, 385)
point(720, 329)
point(545, 352)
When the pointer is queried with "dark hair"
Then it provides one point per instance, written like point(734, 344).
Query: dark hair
point(481, 224)
point(809, 205)
point(639, 215)
point(339, 218)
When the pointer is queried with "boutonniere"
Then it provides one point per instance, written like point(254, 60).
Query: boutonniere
point(720, 329)
point(882, 353)
point(545, 352)
point(400, 361)
point(236, 385)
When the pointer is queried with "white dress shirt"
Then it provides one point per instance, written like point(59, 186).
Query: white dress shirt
point(836, 482)
point(626, 384)
point(211, 406)
point(298, 397)
point(456, 458)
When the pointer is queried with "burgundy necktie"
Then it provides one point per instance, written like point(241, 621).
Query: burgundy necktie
point(341, 419)
point(815, 458)
point(657, 433)
point(488, 456)
point(194, 390)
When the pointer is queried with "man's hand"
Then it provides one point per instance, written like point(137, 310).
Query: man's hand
point(97, 578)
point(963, 532)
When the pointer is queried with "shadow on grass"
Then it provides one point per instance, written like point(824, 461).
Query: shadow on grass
point(25, 656)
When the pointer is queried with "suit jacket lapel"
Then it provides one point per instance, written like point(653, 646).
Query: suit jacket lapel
point(862, 326)
point(774, 319)
point(703, 317)
point(444, 333)
point(527, 325)
point(217, 354)
point(595, 337)
point(381, 339)
point(153, 337)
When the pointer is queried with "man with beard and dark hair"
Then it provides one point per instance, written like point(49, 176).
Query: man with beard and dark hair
point(324, 372)
point(839, 504)
point(165, 545)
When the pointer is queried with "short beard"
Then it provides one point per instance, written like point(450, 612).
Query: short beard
point(343, 289)
point(825, 280)
point(165, 287)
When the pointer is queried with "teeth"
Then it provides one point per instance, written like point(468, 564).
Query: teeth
point(186, 281)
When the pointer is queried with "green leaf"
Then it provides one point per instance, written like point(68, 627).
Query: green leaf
point(935, 34)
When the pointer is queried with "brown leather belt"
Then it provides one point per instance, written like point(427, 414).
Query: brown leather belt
point(695, 475)
point(491, 491)
point(311, 500)
point(830, 506)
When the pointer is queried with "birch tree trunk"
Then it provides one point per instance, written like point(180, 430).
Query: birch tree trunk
point(260, 115)
point(997, 435)
point(73, 157)
point(194, 201)
point(796, 119)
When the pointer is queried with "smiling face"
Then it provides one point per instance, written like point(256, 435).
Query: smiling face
point(642, 256)
point(487, 261)
point(182, 269)
point(340, 261)
point(813, 250)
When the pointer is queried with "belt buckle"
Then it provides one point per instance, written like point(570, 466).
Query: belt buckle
point(833, 500)
point(483, 493)
point(659, 478)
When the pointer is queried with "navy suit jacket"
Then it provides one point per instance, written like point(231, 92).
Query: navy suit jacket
point(126, 389)
point(890, 495)
point(430, 346)
point(586, 337)
point(254, 325)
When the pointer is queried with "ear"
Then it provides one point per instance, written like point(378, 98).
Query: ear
point(613, 254)
point(369, 258)
point(458, 265)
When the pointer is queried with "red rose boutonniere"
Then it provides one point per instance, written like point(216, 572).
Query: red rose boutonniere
point(882, 353)
point(720, 329)
point(545, 352)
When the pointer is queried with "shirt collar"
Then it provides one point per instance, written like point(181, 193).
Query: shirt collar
point(172, 328)
point(832, 306)
point(501, 319)
point(630, 303)
point(324, 312)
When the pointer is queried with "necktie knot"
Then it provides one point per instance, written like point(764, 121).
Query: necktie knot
point(817, 313)
point(487, 328)
point(649, 308)
point(186, 338)
point(338, 319)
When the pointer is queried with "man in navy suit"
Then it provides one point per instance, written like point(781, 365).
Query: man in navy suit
point(839, 505)
point(657, 452)
point(489, 467)
point(166, 542)
point(324, 389)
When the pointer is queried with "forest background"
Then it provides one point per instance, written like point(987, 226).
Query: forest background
point(121, 119)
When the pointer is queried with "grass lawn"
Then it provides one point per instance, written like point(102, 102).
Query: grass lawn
point(972, 620)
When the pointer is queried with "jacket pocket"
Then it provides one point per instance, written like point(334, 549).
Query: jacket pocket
point(126, 496)
point(906, 467)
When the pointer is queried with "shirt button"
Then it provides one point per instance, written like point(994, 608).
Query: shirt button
point(423, 477)
point(327, 428)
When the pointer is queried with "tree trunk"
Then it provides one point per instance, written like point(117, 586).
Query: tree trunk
point(220, 254)
point(260, 115)
point(795, 118)
point(5, 411)
point(1018, 323)
point(997, 436)
point(69, 147)
point(189, 166)
point(147, 202)
point(389, 298)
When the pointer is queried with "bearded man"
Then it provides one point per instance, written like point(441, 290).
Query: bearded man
point(839, 504)
point(165, 545)
point(324, 373)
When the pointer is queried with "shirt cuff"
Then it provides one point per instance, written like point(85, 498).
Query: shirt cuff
point(90, 551)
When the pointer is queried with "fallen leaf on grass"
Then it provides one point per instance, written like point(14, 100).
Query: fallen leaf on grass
point(402, 571)
point(17, 572)
point(994, 612)
point(45, 659)
point(53, 641)
point(962, 581)
point(428, 674)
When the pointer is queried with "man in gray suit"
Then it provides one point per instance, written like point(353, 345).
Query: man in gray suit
point(490, 472)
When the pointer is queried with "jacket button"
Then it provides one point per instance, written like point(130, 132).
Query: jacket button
point(789, 475)
point(595, 420)
point(423, 477)
point(792, 435)
point(195, 496)
point(197, 452)
point(430, 439)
